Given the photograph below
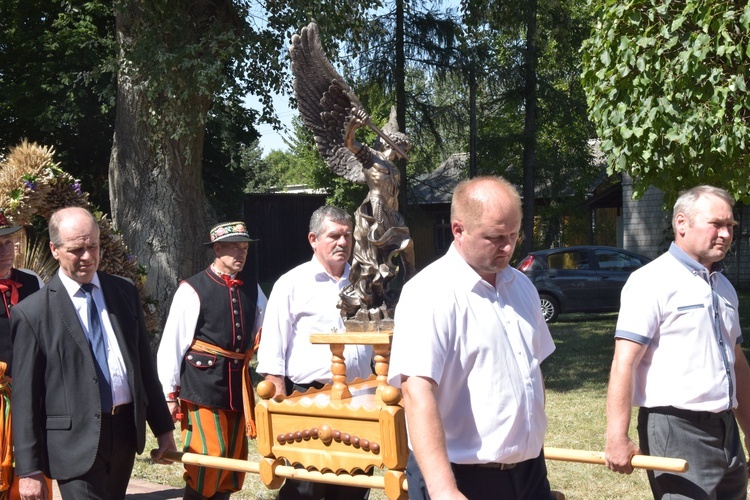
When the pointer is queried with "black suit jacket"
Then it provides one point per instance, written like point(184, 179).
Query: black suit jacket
point(56, 402)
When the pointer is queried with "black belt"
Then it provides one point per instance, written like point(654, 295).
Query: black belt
point(292, 386)
point(696, 416)
point(490, 465)
point(116, 410)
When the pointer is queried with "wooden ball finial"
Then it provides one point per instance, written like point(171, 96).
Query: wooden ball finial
point(266, 390)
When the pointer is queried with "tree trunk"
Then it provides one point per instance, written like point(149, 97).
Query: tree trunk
point(473, 170)
point(530, 128)
point(156, 190)
point(400, 79)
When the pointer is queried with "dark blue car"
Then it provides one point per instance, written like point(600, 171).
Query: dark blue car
point(581, 278)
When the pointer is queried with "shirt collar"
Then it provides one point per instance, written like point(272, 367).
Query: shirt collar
point(693, 265)
point(219, 273)
point(470, 278)
point(320, 271)
point(72, 286)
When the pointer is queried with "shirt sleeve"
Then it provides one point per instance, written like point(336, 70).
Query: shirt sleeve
point(638, 319)
point(177, 337)
point(422, 325)
point(277, 329)
point(260, 310)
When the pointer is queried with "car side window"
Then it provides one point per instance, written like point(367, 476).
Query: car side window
point(568, 260)
point(610, 260)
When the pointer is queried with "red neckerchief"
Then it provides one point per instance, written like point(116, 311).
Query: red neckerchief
point(13, 286)
point(231, 282)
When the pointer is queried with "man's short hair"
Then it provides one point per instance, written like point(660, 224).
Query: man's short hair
point(56, 219)
point(328, 212)
point(468, 204)
point(685, 204)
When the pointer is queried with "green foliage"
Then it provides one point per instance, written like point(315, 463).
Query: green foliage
point(666, 88)
point(302, 164)
point(434, 97)
point(263, 175)
point(229, 134)
point(58, 88)
point(564, 169)
point(57, 83)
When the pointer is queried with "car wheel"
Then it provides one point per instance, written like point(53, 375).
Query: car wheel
point(550, 308)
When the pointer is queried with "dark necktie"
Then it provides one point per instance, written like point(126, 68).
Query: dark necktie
point(99, 348)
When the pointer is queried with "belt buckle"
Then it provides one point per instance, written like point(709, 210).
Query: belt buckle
point(507, 466)
point(114, 410)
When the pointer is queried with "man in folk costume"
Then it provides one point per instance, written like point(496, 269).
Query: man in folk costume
point(209, 338)
point(15, 286)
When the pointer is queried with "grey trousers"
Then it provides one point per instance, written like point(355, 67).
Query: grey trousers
point(711, 444)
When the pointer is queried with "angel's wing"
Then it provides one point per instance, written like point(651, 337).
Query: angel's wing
point(325, 101)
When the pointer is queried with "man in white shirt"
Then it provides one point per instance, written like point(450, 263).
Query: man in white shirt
point(468, 342)
point(678, 356)
point(209, 338)
point(303, 301)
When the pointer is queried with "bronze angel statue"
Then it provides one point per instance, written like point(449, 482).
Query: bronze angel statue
point(334, 114)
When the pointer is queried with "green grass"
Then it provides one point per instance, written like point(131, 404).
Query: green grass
point(576, 379)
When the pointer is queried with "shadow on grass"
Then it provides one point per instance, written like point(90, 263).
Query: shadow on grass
point(583, 354)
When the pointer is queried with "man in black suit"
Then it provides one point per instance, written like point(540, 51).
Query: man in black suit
point(84, 379)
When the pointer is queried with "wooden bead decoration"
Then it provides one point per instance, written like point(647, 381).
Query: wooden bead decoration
point(327, 435)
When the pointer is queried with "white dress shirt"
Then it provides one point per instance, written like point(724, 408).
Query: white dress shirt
point(483, 346)
point(303, 302)
point(117, 374)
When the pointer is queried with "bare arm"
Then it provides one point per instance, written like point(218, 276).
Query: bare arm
point(742, 376)
point(356, 120)
point(428, 437)
point(620, 448)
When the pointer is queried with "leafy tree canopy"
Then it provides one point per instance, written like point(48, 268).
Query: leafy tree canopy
point(666, 88)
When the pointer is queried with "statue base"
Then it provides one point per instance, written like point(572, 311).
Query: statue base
point(370, 320)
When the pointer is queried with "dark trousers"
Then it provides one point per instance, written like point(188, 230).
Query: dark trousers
point(293, 489)
point(109, 476)
point(711, 444)
point(526, 481)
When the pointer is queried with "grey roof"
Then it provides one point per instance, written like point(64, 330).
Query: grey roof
point(438, 185)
